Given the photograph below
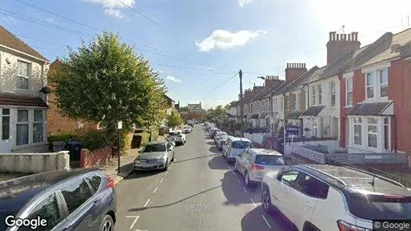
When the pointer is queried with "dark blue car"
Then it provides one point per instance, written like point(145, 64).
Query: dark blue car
point(66, 200)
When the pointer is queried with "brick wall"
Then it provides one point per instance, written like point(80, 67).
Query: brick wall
point(95, 158)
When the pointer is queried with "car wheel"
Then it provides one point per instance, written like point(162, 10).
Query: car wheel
point(166, 166)
point(107, 224)
point(235, 167)
point(172, 160)
point(266, 200)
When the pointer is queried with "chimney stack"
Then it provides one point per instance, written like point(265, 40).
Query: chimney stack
point(272, 81)
point(248, 93)
point(340, 44)
point(294, 70)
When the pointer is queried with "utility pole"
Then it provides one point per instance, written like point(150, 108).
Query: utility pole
point(240, 73)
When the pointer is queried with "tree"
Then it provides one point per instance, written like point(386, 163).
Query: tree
point(185, 108)
point(104, 81)
point(174, 119)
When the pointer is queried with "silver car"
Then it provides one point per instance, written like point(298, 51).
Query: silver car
point(155, 156)
point(253, 163)
point(234, 146)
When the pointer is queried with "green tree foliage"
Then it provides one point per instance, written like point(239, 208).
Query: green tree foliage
point(174, 119)
point(105, 81)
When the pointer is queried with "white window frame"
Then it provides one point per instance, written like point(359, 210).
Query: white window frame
point(320, 94)
point(372, 85)
point(333, 93)
point(3, 116)
point(360, 124)
point(313, 96)
point(380, 84)
point(23, 76)
point(282, 103)
point(375, 71)
point(347, 90)
point(298, 101)
point(380, 125)
point(368, 125)
point(23, 123)
point(42, 122)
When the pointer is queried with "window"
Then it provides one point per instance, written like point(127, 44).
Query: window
point(23, 73)
point(38, 126)
point(311, 186)
point(349, 97)
point(357, 130)
point(76, 194)
point(289, 177)
point(383, 76)
point(313, 95)
point(332, 93)
point(320, 99)
point(372, 132)
point(282, 103)
point(297, 103)
point(22, 127)
point(387, 134)
point(47, 209)
point(95, 182)
point(293, 102)
point(269, 160)
point(370, 84)
point(5, 121)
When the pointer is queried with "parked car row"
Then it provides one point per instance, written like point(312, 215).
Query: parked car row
point(303, 194)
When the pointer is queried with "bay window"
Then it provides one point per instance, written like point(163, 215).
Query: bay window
point(357, 130)
point(332, 93)
point(349, 91)
point(372, 132)
point(37, 126)
point(319, 94)
point(22, 127)
point(297, 101)
point(5, 121)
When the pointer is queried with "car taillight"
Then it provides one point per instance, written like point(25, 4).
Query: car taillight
point(110, 183)
point(256, 167)
point(345, 226)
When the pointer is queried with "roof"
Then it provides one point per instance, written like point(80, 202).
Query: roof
point(297, 83)
point(194, 106)
point(16, 193)
point(168, 98)
point(293, 115)
point(10, 99)
point(380, 50)
point(313, 111)
point(10, 40)
point(369, 109)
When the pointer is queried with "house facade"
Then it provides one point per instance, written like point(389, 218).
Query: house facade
point(194, 112)
point(23, 107)
point(375, 85)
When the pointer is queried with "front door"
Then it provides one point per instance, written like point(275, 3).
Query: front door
point(6, 143)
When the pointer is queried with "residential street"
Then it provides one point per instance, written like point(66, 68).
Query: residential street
point(199, 192)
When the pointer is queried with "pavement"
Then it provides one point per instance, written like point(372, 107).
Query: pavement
point(200, 191)
point(126, 164)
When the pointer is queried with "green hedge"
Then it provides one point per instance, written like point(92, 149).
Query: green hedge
point(63, 137)
point(93, 140)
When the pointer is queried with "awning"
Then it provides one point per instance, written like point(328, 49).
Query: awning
point(293, 115)
point(8, 99)
point(313, 111)
point(255, 116)
point(372, 109)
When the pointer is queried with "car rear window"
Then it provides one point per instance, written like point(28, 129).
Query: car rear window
point(269, 160)
point(155, 148)
point(241, 144)
point(379, 207)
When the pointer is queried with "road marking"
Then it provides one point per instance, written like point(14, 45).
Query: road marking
point(135, 220)
point(161, 181)
point(239, 181)
point(141, 230)
point(145, 205)
point(253, 202)
point(268, 224)
point(155, 190)
point(165, 173)
point(245, 190)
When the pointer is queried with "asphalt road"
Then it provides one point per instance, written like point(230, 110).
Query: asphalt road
point(200, 191)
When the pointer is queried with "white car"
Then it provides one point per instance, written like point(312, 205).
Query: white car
point(179, 137)
point(334, 198)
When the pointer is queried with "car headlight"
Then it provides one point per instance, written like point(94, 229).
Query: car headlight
point(136, 161)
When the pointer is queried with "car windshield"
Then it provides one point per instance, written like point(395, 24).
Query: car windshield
point(269, 160)
point(241, 144)
point(155, 148)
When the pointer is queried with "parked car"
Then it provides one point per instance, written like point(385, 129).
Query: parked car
point(304, 194)
point(253, 163)
point(171, 140)
point(155, 156)
point(65, 200)
point(221, 142)
point(234, 146)
point(187, 129)
point(219, 135)
point(213, 132)
point(179, 137)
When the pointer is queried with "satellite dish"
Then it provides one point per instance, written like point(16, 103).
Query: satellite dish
point(395, 48)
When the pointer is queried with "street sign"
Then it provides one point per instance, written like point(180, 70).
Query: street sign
point(292, 131)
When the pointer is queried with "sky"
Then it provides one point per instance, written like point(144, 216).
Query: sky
point(198, 46)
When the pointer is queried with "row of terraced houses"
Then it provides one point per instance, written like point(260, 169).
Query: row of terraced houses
point(360, 98)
